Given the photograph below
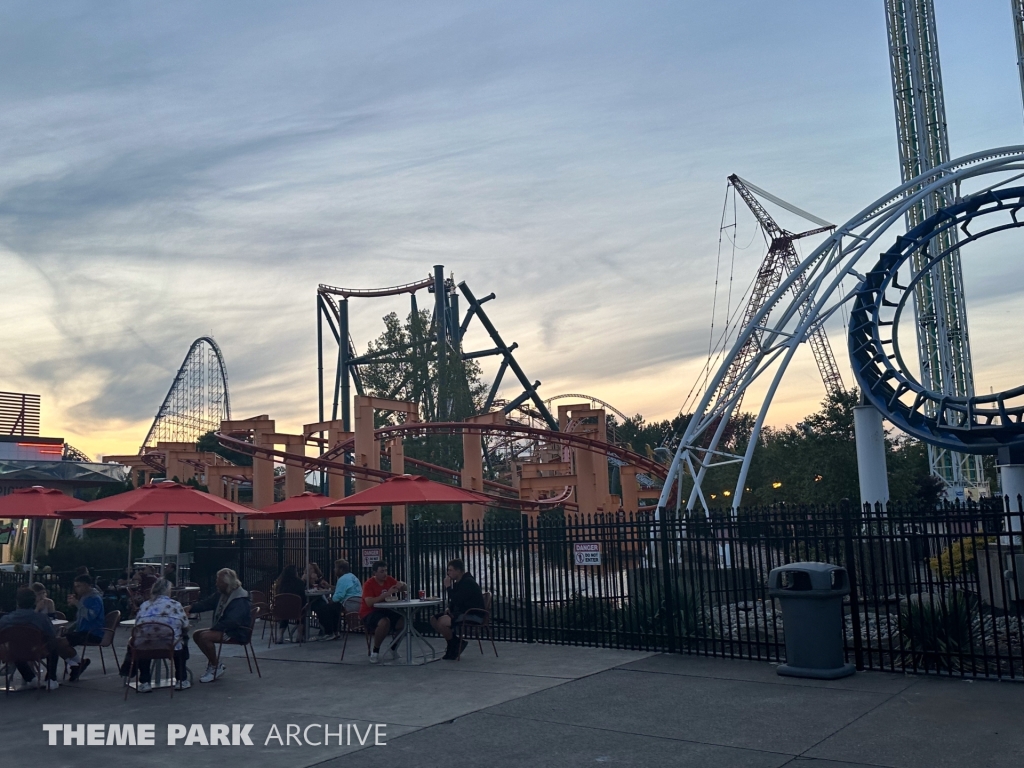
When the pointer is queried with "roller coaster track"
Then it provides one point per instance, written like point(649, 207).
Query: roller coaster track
point(377, 292)
point(565, 439)
point(589, 398)
point(367, 473)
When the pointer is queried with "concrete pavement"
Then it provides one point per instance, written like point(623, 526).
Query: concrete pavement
point(537, 705)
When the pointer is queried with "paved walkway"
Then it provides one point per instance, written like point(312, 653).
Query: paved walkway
point(540, 705)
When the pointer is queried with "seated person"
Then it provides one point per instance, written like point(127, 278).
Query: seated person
point(26, 614)
point(146, 580)
point(90, 621)
point(44, 604)
point(314, 577)
point(161, 608)
point(346, 598)
point(289, 583)
point(378, 620)
point(463, 594)
point(171, 574)
point(232, 620)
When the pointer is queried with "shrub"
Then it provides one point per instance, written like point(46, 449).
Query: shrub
point(936, 629)
point(95, 551)
point(959, 557)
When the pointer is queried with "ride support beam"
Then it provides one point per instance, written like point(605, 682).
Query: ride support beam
point(530, 389)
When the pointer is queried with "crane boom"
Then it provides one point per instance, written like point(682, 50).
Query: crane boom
point(780, 260)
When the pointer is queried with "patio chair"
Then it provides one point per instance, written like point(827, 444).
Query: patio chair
point(246, 646)
point(22, 645)
point(467, 629)
point(350, 622)
point(153, 642)
point(256, 596)
point(112, 619)
point(288, 608)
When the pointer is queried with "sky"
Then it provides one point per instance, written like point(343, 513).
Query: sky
point(182, 169)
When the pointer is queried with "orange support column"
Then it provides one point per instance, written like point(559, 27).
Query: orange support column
point(473, 462)
point(396, 451)
point(630, 495)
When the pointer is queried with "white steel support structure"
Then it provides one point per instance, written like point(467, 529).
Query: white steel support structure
point(805, 299)
point(944, 350)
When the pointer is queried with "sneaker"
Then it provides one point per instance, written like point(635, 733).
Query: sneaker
point(374, 657)
point(145, 687)
point(52, 685)
point(213, 673)
point(183, 685)
point(76, 671)
point(30, 685)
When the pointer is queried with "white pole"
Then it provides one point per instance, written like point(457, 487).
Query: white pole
point(31, 549)
point(131, 530)
point(870, 436)
point(163, 555)
point(1011, 477)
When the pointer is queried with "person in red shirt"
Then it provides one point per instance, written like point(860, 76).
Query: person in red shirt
point(380, 621)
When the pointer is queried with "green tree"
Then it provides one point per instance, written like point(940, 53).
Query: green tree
point(406, 367)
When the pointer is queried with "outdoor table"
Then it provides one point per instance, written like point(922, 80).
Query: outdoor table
point(409, 633)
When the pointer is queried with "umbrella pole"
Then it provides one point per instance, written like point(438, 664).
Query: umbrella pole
point(163, 555)
point(129, 571)
point(31, 549)
point(308, 585)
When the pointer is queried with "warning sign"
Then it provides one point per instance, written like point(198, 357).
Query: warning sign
point(371, 556)
point(586, 553)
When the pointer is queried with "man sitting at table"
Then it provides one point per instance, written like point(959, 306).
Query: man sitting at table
point(378, 620)
point(26, 614)
point(90, 621)
point(232, 620)
point(347, 597)
point(463, 595)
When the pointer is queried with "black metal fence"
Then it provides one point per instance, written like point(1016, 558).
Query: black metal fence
point(936, 591)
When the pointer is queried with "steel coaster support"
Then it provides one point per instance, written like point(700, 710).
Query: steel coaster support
point(529, 389)
point(784, 326)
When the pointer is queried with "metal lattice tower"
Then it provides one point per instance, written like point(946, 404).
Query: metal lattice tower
point(944, 351)
point(198, 399)
point(1017, 6)
point(781, 260)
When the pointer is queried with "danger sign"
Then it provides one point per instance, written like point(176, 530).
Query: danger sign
point(371, 556)
point(586, 553)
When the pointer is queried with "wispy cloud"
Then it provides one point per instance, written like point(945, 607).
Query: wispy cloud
point(177, 170)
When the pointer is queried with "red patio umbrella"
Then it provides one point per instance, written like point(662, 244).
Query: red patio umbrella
point(409, 489)
point(174, 520)
point(164, 498)
point(304, 506)
point(35, 503)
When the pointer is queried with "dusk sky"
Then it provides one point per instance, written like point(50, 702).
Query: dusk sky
point(170, 170)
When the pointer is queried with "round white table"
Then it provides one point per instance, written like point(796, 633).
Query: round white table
point(409, 633)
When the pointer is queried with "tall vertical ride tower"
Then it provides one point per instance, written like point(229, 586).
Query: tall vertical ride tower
point(944, 349)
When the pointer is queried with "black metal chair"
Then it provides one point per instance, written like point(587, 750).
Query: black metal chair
point(150, 642)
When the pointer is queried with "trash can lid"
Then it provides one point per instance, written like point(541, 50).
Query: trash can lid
point(808, 577)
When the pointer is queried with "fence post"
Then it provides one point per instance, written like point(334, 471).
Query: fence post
point(527, 579)
point(851, 572)
point(668, 586)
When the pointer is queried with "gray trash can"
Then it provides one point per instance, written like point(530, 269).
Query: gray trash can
point(811, 595)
